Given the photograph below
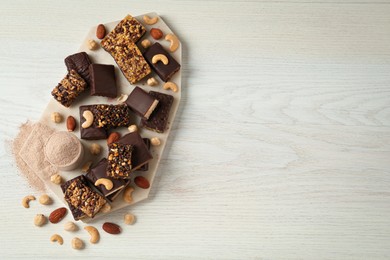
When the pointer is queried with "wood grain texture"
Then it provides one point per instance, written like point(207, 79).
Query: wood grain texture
point(281, 146)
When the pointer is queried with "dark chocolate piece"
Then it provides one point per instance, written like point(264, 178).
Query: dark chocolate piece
point(81, 197)
point(111, 116)
point(140, 154)
point(100, 171)
point(141, 102)
point(80, 63)
point(93, 132)
point(69, 88)
point(120, 43)
point(119, 160)
point(165, 72)
point(158, 120)
point(103, 80)
point(145, 167)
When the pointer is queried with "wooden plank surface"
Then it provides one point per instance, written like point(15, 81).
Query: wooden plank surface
point(281, 146)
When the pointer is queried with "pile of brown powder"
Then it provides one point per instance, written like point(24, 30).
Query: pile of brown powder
point(28, 146)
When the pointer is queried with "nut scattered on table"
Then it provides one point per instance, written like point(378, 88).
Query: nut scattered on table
point(113, 137)
point(71, 226)
point(152, 82)
point(146, 43)
point(106, 182)
point(150, 21)
point(129, 219)
point(100, 31)
point(111, 228)
point(70, 123)
point(88, 116)
point(142, 182)
point(56, 117)
point(57, 238)
point(77, 243)
point(160, 57)
point(106, 208)
point(40, 220)
point(92, 45)
point(155, 141)
point(156, 33)
point(45, 199)
point(95, 149)
point(26, 201)
point(132, 128)
point(171, 85)
point(86, 167)
point(57, 215)
point(56, 179)
point(122, 98)
point(128, 194)
point(95, 236)
point(174, 41)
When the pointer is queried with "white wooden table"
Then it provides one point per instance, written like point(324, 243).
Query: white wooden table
point(281, 148)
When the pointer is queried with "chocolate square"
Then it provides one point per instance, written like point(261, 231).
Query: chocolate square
point(80, 63)
point(81, 198)
point(158, 120)
point(141, 102)
point(103, 80)
point(100, 171)
point(119, 160)
point(69, 88)
point(140, 154)
point(93, 132)
point(165, 72)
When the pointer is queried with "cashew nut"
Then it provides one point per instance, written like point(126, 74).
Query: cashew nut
point(152, 82)
point(174, 41)
point(160, 57)
point(88, 119)
point(57, 238)
point(94, 234)
point(127, 194)
point(149, 20)
point(155, 141)
point(106, 182)
point(171, 85)
point(146, 43)
point(132, 128)
point(26, 201)
point(106, 208)
point(122, 98)
point(45, 199)
point(77, 243)
point(129, 219)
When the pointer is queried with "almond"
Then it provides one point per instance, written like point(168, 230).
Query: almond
point(57, 215)
point(156, 33)
point(142, 182)
point(100, 31)
point(111, 228)
point(113, 137)
point(70, 123)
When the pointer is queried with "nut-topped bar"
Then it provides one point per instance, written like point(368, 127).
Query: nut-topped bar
point(69, 88)
point(111, 116)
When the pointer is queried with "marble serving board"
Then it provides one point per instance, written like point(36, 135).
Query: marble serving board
point(124, 87)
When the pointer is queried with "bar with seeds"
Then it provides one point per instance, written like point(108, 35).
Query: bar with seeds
point(69, 88)
point(119, 160)
point(111, 116)
point(81, 198)
point(158, 120)
point(120, 43)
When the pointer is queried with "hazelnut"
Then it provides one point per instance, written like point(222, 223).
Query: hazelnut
point(45, 199)
point(56, 117)
point(56, 179)
point(155, 141)
point(95, 149)
point(77, 243)
point(40, 220)
point(92, 45)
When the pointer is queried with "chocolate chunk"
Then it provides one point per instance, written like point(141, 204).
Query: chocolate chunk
point(103, 80)
point(120, 43)
point(111, 116)
point(140, 154)
point(158, 120)
point(69, 88)
point(145, 167)
point(80, 63)
point(93, 132)
point(119, 160)
point(141, 102)
point(100, 171)
point(81, 198)
point(165, 72)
